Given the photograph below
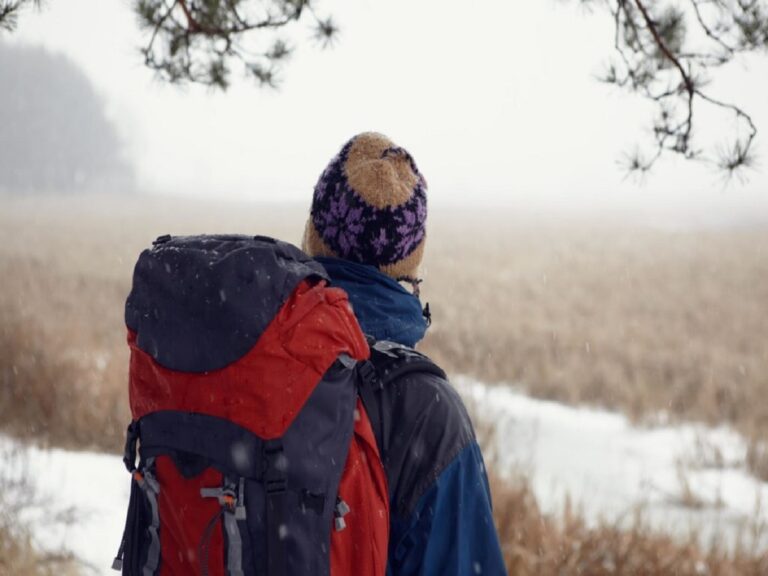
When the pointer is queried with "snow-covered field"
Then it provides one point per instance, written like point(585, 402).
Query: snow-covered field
point(685, 477)
point(78, 501)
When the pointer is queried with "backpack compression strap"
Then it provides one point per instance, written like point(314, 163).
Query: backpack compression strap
point(389, 362)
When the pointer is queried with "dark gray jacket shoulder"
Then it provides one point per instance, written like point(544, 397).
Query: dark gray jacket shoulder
point(425, 426)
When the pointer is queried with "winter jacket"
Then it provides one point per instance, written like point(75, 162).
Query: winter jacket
point(441, 523)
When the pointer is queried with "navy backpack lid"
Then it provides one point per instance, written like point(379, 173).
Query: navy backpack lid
point(199, 303)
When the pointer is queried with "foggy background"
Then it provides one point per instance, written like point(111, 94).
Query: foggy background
point(499, 105)
point(608, 334)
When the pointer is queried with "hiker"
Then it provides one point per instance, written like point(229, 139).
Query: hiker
point(276, 431)
point(367, 229)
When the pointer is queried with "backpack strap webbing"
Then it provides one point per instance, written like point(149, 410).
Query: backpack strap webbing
point(231, 498)
point(388, 363)
point(275, 485)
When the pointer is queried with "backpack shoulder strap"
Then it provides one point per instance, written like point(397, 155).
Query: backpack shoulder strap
point(392, 361)
point(388, 363)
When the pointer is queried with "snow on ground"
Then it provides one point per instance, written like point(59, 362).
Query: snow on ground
point(689, 478)
point(607, 465)
point(79, 501)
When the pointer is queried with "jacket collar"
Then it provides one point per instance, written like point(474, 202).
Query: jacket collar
point(384, 309)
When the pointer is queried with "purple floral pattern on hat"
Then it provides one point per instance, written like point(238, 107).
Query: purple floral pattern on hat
point(357, 231)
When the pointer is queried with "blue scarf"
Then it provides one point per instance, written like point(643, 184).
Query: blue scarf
point(384, 309)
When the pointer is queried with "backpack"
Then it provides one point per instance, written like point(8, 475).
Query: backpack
point(250, 448)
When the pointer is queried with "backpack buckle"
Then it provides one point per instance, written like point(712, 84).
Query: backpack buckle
point(226, 497)
point(277, 486)
point(275, 467)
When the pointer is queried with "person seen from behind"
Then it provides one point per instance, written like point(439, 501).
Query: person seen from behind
point(367, 229)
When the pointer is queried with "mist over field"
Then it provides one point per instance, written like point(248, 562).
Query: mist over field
point(607, 333)
point(55, 138)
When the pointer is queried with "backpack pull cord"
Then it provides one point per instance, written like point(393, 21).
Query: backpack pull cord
point(276, 485)
point(129, 459)
point(203, 549)
point(117, 563)
point(231, 497)
point(151, 488)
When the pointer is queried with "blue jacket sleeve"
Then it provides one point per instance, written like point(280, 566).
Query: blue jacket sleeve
point(450, 531)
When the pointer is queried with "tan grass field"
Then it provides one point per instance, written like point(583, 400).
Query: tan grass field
point(657, 324)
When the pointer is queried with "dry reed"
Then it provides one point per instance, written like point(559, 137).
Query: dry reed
point(656, 324)
point(18, 556)
point(535, 544)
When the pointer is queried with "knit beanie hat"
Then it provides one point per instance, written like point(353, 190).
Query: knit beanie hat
point(370, 207)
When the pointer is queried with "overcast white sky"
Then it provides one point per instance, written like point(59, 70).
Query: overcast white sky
point(496, 100)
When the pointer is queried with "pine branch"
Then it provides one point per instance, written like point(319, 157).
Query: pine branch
point(9, 12)
point(642, 69)
point(707, 30)
point(687, 81)
point(198, 41)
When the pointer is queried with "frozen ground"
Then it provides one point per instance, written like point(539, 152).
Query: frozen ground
point(686, 478)
point(607, 466)
point(79, 501)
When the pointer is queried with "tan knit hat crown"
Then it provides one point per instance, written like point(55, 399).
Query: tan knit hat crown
point(370, 206)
